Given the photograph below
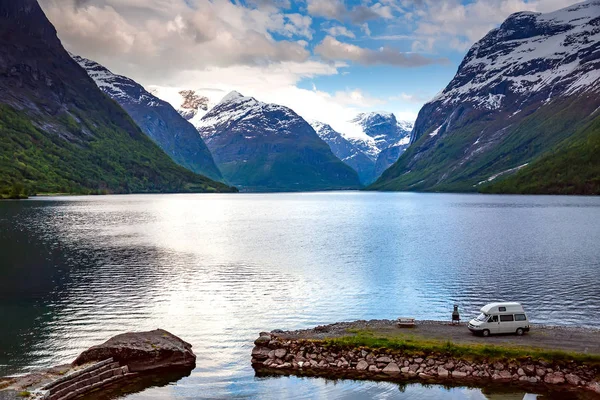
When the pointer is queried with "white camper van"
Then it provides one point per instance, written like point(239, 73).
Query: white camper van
point(500, 318)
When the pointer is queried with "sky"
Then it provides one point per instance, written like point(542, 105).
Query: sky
point(326, 59)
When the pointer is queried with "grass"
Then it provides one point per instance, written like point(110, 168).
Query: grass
point(417, 346)
point(572, 167)
point(35, 160)
point(562, 154)
point(24, 393)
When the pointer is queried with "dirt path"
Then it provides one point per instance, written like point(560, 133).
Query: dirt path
point(569, 339)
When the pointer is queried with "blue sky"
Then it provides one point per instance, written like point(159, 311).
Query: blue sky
point(326, 59)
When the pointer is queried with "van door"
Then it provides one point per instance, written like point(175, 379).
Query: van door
point(507, 323)
point(494, 324)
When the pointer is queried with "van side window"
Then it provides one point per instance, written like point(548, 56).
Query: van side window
point(520, 317)
point(494, 318)
point(502, 309)
point(506, 318)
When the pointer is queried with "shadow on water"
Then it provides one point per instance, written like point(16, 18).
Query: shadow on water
point(138, 384)
point(491, 391)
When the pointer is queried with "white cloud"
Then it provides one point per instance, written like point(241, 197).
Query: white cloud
point(450, 23)
point(336, 9)
point(356, 98)
point(332, 49)
point(339, 30)
point(171, 36)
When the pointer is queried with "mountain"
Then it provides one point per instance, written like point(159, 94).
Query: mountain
point(524, 93)
point(375, 142)
point(267, 147)
point(347, 151)
point(157, 118)
point(59, 132)
point(191, 104)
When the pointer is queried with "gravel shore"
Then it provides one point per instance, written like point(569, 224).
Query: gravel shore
point(569, 339)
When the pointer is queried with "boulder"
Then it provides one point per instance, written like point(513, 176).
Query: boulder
point(143, 351)
point(280, 353)
point(506, 375)
point(362, 365)
point(572, 379)
point(384, 359)
point(263, 339)
point(391, 369)
point(459, 374)
point(529, 369)
point(260, 353)
point(594, 387)
point(554, 378)
point(442, 372)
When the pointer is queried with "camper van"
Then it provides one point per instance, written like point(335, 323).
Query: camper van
point(500, 318)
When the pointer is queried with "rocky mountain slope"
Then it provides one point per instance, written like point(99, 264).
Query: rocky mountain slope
point(157, 118)
point(523, 92)
point(191, 104)
point(267, 147)
point(59, 132)
point(376, 142)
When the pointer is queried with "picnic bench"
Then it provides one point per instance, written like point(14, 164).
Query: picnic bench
point(406, 322)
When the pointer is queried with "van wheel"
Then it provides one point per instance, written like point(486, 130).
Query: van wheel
point(520, 332)
point(485, 333)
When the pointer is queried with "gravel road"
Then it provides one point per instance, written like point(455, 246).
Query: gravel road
point(571, 339)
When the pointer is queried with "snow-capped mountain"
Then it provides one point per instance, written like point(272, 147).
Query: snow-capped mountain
point(523, 88)
point(261, 146)
point(383, 129)
point(157, 118)
point(192, 104)
point(374, 133)
point(347, 151)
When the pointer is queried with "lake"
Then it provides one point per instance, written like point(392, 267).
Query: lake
point(218, 269)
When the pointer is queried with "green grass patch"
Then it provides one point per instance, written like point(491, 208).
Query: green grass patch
point(417, 346)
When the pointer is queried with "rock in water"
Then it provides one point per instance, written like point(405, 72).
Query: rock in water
point(143, 351)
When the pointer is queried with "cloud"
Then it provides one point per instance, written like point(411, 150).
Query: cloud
point(333, 9)
point(356, 97)
point(298, 25)
point(339, 30)
point(450, 23)
point(171, 35)
point(336, 9)
point(332, 49)
point(418, 98)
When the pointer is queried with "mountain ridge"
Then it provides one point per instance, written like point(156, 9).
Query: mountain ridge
point(521, 90)
point(157, 118)
point(264, 147)
point(381, 141)
point(59, 132)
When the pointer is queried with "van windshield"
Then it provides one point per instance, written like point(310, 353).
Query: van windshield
point(482, 317)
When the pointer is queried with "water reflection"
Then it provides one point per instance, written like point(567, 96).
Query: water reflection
point(216, 270)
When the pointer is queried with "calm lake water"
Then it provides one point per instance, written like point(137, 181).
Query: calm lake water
point(218, 269)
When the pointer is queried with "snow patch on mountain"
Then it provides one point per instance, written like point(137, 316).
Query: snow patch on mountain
point(528, 53)
point(236, 108)
point(116, 86)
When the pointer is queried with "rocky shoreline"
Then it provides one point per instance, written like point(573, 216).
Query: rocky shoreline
point(116, 363)
point(309, 353)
